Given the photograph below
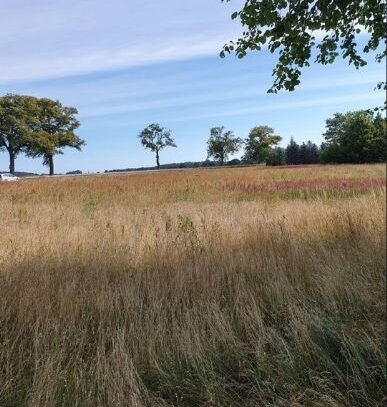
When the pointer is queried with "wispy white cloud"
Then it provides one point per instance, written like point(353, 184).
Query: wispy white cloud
point(253, 108)
point(103, 60)
point(170, 94)
point(56, 39)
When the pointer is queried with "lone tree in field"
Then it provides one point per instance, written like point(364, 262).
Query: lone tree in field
point(17, 115)
point(293, 29)
point(221, 144)
point(259, 144)
point(155, 138)
point(53, 131)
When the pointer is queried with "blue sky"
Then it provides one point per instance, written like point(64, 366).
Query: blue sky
point(125, 64)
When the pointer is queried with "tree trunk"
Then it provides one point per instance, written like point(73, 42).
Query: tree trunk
point(51, 164)
point(221, 160)
point(157, 159)
point(11, 161)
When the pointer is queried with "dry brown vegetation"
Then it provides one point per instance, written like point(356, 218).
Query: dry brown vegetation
point(232, 287)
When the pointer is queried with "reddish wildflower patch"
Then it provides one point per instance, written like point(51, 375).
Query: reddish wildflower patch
point(333, 185)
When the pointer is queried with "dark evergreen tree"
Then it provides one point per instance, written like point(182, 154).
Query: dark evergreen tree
point(292, 153)
point(312, 154)
point(302, 154)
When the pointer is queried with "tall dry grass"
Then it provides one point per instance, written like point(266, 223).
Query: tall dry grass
point(235, 287)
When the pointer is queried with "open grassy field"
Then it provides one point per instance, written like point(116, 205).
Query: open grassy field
point(225, 287)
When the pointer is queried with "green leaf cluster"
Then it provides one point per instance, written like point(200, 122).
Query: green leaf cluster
point(296, 30)
point(155, 138)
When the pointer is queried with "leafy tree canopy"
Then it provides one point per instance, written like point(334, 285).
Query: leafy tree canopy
point(294, 28)
point(356, 137)
point(222, 143)
point(277, 156)
point(259, 144)
point(53, 130)
point(17, 116)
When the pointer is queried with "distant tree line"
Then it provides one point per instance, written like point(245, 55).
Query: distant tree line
point(44, 127)
point(355, 137)
point(180, 165)
point(37, 128)
point(352, 137)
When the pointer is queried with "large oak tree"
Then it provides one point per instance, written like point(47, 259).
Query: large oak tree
point(17, 118)
point(53, 131)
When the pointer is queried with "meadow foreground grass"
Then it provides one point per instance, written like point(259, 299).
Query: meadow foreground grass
point(231, 287)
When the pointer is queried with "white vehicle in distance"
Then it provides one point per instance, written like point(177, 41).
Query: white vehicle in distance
point(6, 177)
